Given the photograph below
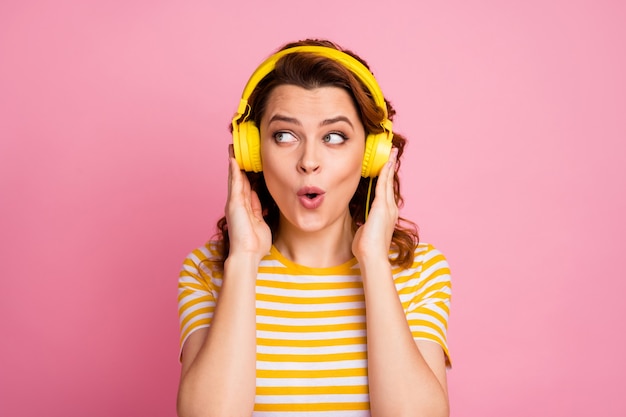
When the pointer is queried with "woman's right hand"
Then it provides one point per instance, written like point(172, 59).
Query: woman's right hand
point(247, 231)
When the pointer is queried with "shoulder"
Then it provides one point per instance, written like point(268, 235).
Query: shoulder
point(429, 264)
point(210, 251)
point(427, 255)
point(203, 262)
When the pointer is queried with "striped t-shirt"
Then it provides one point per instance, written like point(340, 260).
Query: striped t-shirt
point(311, 335)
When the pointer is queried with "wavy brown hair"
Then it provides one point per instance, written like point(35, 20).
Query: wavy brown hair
point(309, 71)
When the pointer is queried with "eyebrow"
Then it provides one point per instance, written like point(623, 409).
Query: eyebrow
point(281, 118)
point(336, 120)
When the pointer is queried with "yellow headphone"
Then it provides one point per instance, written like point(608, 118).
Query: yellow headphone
point(246, 137)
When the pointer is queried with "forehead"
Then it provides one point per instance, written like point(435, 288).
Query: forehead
point(321, 102)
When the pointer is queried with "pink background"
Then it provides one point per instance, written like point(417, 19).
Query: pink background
point(113, 138)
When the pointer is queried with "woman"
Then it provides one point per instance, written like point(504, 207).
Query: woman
point(309, 301)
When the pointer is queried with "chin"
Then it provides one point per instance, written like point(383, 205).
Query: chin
point(317, 222)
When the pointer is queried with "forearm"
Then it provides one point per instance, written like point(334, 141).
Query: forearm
point(221, 379)
point(401, 383)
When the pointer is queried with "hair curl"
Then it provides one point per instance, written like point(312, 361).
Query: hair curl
point(309, 71)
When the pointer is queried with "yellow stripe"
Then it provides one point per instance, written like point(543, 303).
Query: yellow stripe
point(424, 286)
point(443, 301)
point(194, 301)
point(433, 314)
point(331, 357)
point(312, 343)
point(429, 336)
point(444, 306)
point(311, 407)
point(424, 323)
point(188, 284)
point(194, 315)
point(346, 390)
point(309, 285)
point(435, 259)
point(205, 298)
point(310, 314)
point(322, 373)
point(308, 329)
point(189, 262)
point(311, 300)
point(282, 270)
point(191, 328)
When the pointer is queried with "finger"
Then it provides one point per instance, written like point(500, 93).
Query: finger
point(386, 178)
point(234, 171)
point(393, 159)
point(236, 188)
point(255, 205)
point(245, 185)
point(240, 189)
point(232, 176)
point(230, 168)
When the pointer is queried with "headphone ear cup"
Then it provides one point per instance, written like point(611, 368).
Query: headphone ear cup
point(377, 151)
point(247, 146)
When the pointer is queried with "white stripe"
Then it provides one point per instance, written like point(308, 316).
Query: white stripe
point(309, 335)
point(432, 307)
point(351, 413)
point(192, 323)
point(304, 293)
point(309, 322)
point(271, 305)
point(194, 295)
point(315, 398)
point(429, 319)
point(312, 382)
point(426, 273)
point(201, 308)
point(321, 350)
point(310, 366)
point(288, 278)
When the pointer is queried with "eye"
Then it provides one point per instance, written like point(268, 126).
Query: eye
point(284, 137)
point(335, 138)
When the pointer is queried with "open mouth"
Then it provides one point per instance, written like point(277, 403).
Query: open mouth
point(311, 197)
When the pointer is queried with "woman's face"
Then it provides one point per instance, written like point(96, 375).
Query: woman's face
point(312, 146)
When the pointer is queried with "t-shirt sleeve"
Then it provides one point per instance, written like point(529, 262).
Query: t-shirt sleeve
point(430, 293)
point(198, 282)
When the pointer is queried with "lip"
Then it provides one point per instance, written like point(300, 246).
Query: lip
point(308, 202)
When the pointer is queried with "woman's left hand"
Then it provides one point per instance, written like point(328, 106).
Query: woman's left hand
point(373, 238)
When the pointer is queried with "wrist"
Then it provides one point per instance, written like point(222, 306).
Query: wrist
point(242, 265)
point(243, 260)
point(372, 255)
point(374, 262)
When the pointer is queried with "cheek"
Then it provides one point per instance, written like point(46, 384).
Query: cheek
point(349, 174)
point(269, 162)
point(275, 175)
point(356, 163)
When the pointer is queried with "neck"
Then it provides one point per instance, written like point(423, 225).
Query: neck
point(330, 246)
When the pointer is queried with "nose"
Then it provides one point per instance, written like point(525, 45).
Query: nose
point(309, 161)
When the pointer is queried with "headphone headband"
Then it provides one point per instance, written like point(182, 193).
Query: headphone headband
point(348, 61)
